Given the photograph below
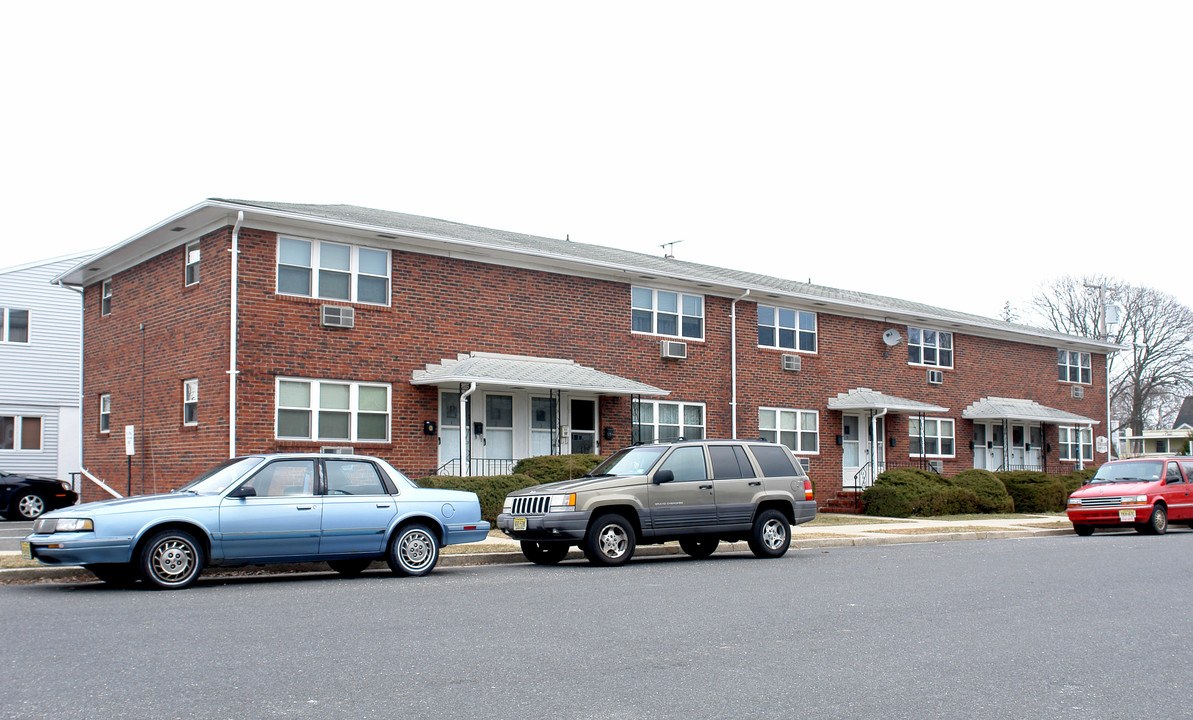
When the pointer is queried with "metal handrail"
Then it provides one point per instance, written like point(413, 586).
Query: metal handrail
point(479, 466)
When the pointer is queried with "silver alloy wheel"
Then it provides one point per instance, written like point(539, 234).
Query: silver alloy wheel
point(417, 549)
point(612, 541)
point(172, 560)
point(773, 534)
point(31, 506)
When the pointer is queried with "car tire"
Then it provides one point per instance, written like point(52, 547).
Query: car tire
point(544, 553)
point(171, 560)
point(700, 546)
point(610, 541)
point(413, 551)
point(1084, 530)
point(351, 567)
point(115, 574)
point(27, 506)
point(771, 535)
point(1157, 524)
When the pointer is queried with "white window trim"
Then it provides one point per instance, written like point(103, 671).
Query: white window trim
point(654, 314)
point(105, 298)
point(1083, 433)
point(6, 326)
point(195, 383)
point(105, 399)
point(799, 414)
point(18, 434)
point(654, 424)
point(354, 272)
point(1067, 366)
point(952, 423)
point(952, 349)
point(353, 409)
point(815, 332)
point(187, 264)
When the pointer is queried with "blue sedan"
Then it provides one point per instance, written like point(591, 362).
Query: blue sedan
point(347, 510)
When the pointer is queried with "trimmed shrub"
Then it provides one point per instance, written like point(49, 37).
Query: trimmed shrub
point(1076, 479)
point(885, 501)
point(948, 501)
point(491, 489)
point(991, 494)
point(1035, 491)
point(904, 491)
point(553, 468)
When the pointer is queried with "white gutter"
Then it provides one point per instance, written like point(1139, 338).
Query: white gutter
point(465, 470)
point(733, 358)
point(232, 371)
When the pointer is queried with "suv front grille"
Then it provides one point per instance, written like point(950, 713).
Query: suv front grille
point(531, 505)
point(1101, 502)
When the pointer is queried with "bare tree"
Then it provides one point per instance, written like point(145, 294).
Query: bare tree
point(1155, 369)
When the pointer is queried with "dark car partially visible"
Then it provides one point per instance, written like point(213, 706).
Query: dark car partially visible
point(26, 497)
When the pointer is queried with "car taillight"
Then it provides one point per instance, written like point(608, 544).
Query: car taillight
point(807, 489)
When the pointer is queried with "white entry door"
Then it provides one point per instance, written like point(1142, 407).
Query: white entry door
point(988, 449)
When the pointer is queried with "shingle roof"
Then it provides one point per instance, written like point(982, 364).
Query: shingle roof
point(867, 399)
point(523, 371)
point(997, 408)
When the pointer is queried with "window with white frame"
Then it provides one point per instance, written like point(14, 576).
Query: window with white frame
point(190, 401)
point(659, 421)
point(333, 271)
point(20, 433)
point(929, 347)
point(191, 272)
point(1073, 366)
point(14, 325)
point(105, 297)
point(1076, 442)
point(931, 437)
point(786, 329)
point(332, 410)
point(662, 312)
point(799, 430)
point(105, 413)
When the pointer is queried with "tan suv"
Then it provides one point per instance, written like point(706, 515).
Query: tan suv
point(698, 492)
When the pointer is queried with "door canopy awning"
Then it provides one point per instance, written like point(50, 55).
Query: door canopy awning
point(867, 399)
point(520, 371)
point(996, 408)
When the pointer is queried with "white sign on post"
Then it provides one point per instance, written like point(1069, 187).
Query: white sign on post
point(1102, 444)
point(130, 440)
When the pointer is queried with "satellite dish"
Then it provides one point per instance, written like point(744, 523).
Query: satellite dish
point(892, 337)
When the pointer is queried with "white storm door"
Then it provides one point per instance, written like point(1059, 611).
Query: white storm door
point(449, 432)
point(499, 432)
point(851, 448)
point(996, 441)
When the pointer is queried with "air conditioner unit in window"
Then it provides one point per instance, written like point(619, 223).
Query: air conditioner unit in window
point(673, 349)
point(337, 316)
point(1076, 392)
point(935, 377)
point(805, 463)
point(336, 450)
point(792, 363)
point(936, 466)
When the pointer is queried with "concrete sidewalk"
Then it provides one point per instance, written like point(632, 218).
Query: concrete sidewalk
point(832, 531)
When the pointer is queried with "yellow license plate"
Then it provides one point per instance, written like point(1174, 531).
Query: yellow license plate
point(1126, 515)
point(26, 551)
point(519, 524)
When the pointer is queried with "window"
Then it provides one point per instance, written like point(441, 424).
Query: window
point(797, 429)
point(191, 273)
point(661, 312)
point(929, 347)
point(787, 329)
point(190, 401)
point(774, 461)
point(729, 462)
point(687, 463)
point(1072, 366)
point(655, 421)
point(1076, 443)
point(931, 437)
point(105, 413)
point(333, 271)
point(14, 325)
point(331, 410)
point(284, 477)
point(105, 298)
point(20, 433)
point(353, 477)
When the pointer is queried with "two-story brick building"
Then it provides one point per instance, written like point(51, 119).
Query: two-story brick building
point(237, 327)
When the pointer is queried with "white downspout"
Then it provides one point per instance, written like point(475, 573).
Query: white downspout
point(465, 470)
point(733, 359)
point(80, 291)
point(232, 371)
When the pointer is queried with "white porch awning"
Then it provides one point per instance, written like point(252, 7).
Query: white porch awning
point(521, 371)
point(867, 399)
point(996, 408)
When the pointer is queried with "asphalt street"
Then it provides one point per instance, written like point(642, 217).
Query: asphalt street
point(11, 533)
point(1056, 627)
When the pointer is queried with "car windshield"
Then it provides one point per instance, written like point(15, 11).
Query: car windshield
point(631, 461)
point(218, 478)
point(1142, 471)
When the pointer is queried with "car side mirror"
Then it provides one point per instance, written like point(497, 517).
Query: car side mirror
point(663, 476)
point(243, 491)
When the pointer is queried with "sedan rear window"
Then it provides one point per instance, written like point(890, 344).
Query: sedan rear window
point(775, 460)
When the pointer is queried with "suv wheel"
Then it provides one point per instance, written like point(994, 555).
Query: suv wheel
point(544, 553)
point(610, 540)
point(700, 546)
point(771, 535)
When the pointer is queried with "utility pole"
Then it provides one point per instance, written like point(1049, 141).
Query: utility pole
point(1103, 331)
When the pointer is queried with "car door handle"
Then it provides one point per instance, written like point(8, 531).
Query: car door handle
point(383, 505)
point(755, 484)
point(306, 507)
point(706, 487)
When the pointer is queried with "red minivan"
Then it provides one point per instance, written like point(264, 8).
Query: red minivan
point(1142, 493)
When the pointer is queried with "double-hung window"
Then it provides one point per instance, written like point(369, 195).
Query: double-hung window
point(797, 429)
point(662, 312)
point(14, 325)
point(190, 401)
point(786, 329)
point(929, 347)
point(931, 437)
point(657, 421)
point(105, 297)
point(20, 433)
point(191, 271)
point(105, 413)
point(1073, 366)
point(1076, 442)
point(332, 410)
point(333, 271)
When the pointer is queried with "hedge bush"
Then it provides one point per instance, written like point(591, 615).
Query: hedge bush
point(491, 489)
point(992, 495)
point(1035, 491)
point(553, 468)
point(910, 491)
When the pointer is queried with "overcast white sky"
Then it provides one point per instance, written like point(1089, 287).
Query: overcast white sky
point(956, 153)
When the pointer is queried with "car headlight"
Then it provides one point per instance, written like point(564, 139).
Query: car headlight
point(57, 525)
point(1135, 500)
point(563, 503)
point(65, 485)
point(1074, 502)
point(508, 505)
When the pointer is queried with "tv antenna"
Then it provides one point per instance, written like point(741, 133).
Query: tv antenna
point(669, 248)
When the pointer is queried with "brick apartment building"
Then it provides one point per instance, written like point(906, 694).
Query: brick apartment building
point(426, 342)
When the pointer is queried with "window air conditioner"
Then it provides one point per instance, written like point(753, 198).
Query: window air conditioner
point(935, 377)
point(792, 363)
point(336, 450)
point(936, 466)
point(673, 349)
point(805, 463)
point(1076, 392)
point(337, 316)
